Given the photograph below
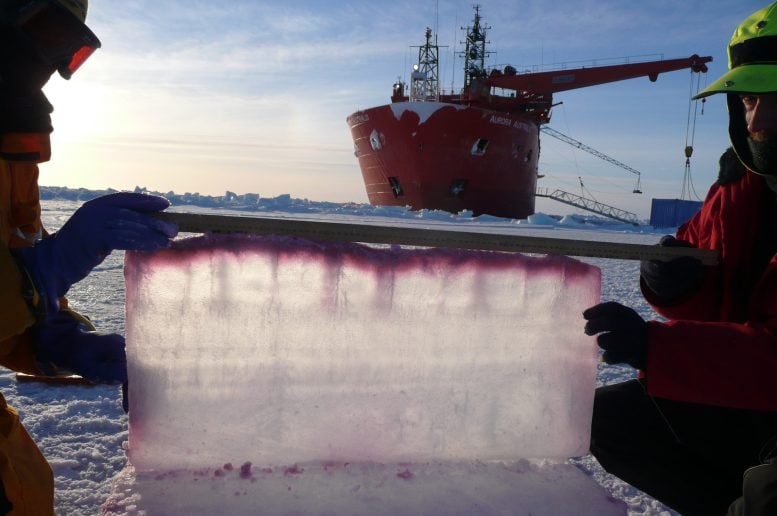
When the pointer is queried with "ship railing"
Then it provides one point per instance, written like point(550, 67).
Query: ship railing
point(443, 96)
point(588, 63)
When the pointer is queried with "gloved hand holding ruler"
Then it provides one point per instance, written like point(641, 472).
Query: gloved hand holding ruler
point(428, 237)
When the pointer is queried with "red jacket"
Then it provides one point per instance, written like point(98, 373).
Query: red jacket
point(720, 345)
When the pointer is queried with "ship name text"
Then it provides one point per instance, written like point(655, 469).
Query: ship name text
point(503, 120)
point(359, 118)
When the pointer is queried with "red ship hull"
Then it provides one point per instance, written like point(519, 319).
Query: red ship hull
point(445, 156)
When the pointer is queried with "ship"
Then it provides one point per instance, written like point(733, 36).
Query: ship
point(476, 149)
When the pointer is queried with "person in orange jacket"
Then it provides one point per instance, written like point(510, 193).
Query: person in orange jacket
point(39, 334)
point(697, 430)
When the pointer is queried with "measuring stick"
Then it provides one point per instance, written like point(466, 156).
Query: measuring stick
point(428, 237)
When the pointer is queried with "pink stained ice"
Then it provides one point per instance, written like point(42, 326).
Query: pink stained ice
point(281, 351)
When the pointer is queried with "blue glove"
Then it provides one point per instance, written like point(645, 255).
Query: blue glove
point(65, 345)
point(623, 334)
point(675, 278)
point(116, 221)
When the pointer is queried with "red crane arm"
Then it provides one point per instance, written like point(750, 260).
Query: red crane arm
point(562, 80)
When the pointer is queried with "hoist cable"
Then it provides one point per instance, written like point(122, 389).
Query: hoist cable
point(690, 136)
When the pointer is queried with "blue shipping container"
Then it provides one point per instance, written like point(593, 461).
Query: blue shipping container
point(671, 213)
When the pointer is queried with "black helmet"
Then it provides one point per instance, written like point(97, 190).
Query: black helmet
point(53, 29)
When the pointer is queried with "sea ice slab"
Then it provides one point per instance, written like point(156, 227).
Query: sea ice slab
point(538, 488)
point(279, 351)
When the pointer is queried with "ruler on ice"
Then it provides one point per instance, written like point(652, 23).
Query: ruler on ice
point(428, 237)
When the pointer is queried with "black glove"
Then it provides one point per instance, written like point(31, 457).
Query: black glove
point(674, 278)
point(622, 333)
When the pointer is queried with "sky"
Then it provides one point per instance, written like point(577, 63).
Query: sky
point(252, 96)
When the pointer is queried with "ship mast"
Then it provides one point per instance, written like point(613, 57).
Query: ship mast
point(475, 50)
point(424, 81)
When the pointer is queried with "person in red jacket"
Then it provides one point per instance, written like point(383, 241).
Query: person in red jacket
point(704, 411)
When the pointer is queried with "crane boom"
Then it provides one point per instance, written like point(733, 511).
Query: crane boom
point(564, 138)
point(563, 80)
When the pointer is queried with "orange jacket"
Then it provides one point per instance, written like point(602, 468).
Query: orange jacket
point(26, 476)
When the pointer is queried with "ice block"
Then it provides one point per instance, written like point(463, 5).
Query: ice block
point(276, 351)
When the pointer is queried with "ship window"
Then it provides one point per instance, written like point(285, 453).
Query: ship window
point(396, 188)
point(377, 140)
point(457, 187)
point(528, 156)
point(479, 147)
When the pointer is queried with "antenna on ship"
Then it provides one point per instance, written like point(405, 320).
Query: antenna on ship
point(424, 80)
point(436, 20)
point(475, 52)
point(453, 57)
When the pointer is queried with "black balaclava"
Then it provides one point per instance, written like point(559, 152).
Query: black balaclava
point(23, 106)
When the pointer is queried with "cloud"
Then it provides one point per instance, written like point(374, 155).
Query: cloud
point(269, 83)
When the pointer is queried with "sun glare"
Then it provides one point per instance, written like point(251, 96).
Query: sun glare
point(79, 108)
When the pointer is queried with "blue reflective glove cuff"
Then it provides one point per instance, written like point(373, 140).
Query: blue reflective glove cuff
point(30, 292)
point(41, 292)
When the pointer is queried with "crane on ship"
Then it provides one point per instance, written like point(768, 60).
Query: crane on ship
point(534, 95)
point(533, 92)
point(567, 139)
point(588, 202)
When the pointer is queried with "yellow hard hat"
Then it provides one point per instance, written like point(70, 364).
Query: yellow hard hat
point(752, 63)
point(752, 57)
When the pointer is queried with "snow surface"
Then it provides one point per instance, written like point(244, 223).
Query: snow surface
point(82, 430)
point(423, 109)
